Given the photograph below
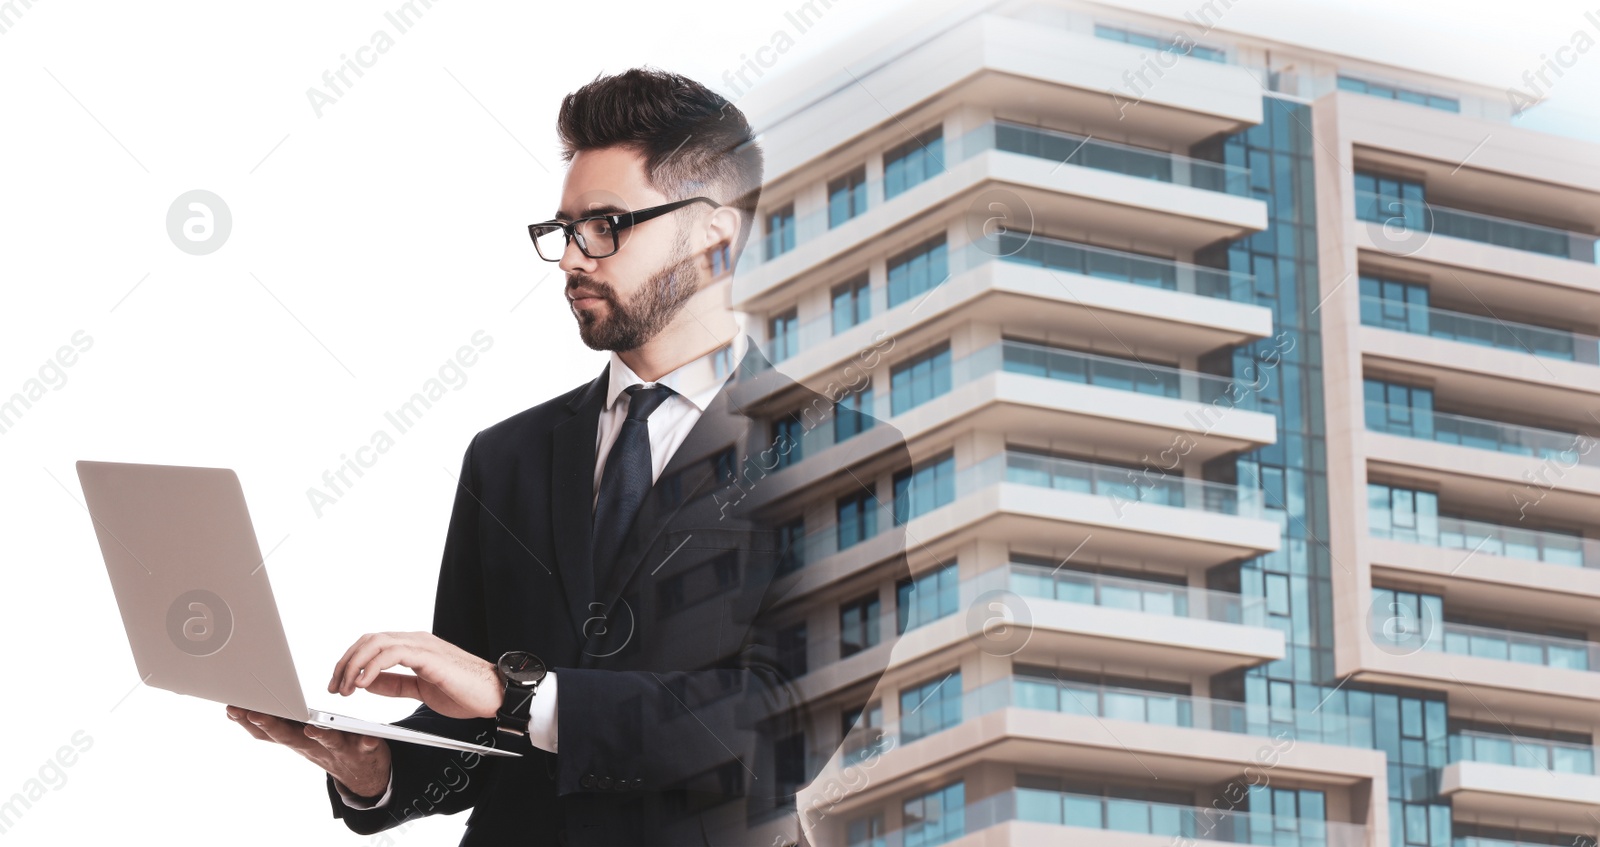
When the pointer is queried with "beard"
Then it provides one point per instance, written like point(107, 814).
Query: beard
point(627, 326)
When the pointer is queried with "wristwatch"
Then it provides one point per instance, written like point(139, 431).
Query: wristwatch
point(520, 672)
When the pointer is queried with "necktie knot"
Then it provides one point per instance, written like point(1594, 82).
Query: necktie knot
point(642, 401)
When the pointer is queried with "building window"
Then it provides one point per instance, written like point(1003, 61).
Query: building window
point(850, 303)
point(847, 197)
point(919, 379)
point(1390, 92)
point(789, 762)
point(918, 270)
point(930, 707)
point(783, 332)
point(721, 259)
point(858, 625)
point(863, 734)
point(866, 832)
point(1391, 304)
point(936, 817)
point(792, 535)
point(786, 441)
point(858, 518)
point(780, 231)
point(852, 415)
point(1140, 39)
point(913, 162)
point(1399, 409)
point(792, 648)
point(1391, 201)
point(926, 598)
point(1402, 514)
point(921, 489)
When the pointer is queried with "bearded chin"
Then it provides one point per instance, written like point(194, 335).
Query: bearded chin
point(652, 307)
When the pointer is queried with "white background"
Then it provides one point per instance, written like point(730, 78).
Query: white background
point(367, 245)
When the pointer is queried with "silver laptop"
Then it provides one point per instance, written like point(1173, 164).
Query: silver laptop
point(192, 586)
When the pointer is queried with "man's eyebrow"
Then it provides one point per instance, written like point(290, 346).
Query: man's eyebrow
point(602, 209)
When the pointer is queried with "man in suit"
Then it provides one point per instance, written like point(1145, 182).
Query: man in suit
point(636, 537)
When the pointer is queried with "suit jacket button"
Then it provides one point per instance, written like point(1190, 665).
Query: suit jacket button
point(605, 783)
point(587, 780)
point(637, 782)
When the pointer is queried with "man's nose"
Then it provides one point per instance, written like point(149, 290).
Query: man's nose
point(573, 260)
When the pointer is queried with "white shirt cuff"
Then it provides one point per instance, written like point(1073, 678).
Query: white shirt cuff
point(355, 802)
point(542, 713)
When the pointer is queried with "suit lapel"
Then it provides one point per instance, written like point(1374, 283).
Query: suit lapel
point(572, 498)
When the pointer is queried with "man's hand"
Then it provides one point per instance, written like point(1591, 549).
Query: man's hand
point(359, 762)
point(448, 679)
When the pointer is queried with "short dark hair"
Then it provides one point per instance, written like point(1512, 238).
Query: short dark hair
point(693, 140)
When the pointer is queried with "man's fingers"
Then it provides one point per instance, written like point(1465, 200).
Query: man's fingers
point(380, 655)
point(337, 680)
point(238, 717)
point(283, 732)
point(395, 685)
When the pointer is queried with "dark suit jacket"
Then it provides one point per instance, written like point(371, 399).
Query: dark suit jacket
point(676, 709)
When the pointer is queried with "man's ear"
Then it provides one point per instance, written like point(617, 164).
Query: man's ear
point(722, 227)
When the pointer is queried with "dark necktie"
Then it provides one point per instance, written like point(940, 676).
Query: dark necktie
point(625, 481)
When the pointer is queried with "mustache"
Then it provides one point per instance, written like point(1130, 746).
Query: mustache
point(579, 283)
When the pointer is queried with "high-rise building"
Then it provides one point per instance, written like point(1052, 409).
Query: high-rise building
point(1251, 393)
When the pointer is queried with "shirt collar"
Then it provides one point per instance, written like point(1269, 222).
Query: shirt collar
point(696, 381)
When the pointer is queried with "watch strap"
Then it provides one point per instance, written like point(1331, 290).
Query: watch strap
point(516, 709)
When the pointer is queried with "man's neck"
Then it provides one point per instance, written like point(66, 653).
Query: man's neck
point(677, 345)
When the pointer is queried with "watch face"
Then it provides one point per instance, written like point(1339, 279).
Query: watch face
point(522, 668)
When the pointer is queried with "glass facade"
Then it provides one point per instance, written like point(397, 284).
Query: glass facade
point(920, 379)
point(923, 488)
point(918, 270)
point(1408, 725)
point(930, 706)
point(913, 162)
point(926, 598)
point(847, 197)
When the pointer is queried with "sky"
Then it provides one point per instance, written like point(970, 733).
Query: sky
point(374, 228)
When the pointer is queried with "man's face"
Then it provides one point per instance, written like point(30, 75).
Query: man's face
point(621, 301)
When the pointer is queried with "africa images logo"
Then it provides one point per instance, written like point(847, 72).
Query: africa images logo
point(199, 623)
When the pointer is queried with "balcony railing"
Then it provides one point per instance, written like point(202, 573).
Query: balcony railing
point(1522, 751)
point(1030, 580)
point(1479, 433)
point(1084, 151)
point(818, 433)
point(1427, 217)
point(1175, 821)
point(1053, 254)
point(1138, 595)
point(1486, 642)
point(1533, 545)
point(1071, 697)
point(1483, 331)
point(1132, 489)
point(1065, 148)
point(1512, 646)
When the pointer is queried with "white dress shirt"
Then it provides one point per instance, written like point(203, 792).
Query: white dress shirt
point(694, 385)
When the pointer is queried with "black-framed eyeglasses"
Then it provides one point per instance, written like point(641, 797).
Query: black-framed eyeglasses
point(597, 234)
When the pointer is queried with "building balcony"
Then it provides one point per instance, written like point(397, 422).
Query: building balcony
point(1535, 574)
point(1039, 724)
point(1479, 434)
point(1092, 293)
point(1435, 220)
point(1554, 798)
point(1477, 375)
point(1024, 817)
point(1073, 195)
point(1026, 390)
point(1117, 620)
point(1499, 670)
point(1035, 499)
point(1481, 331)
point(1522, 751)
